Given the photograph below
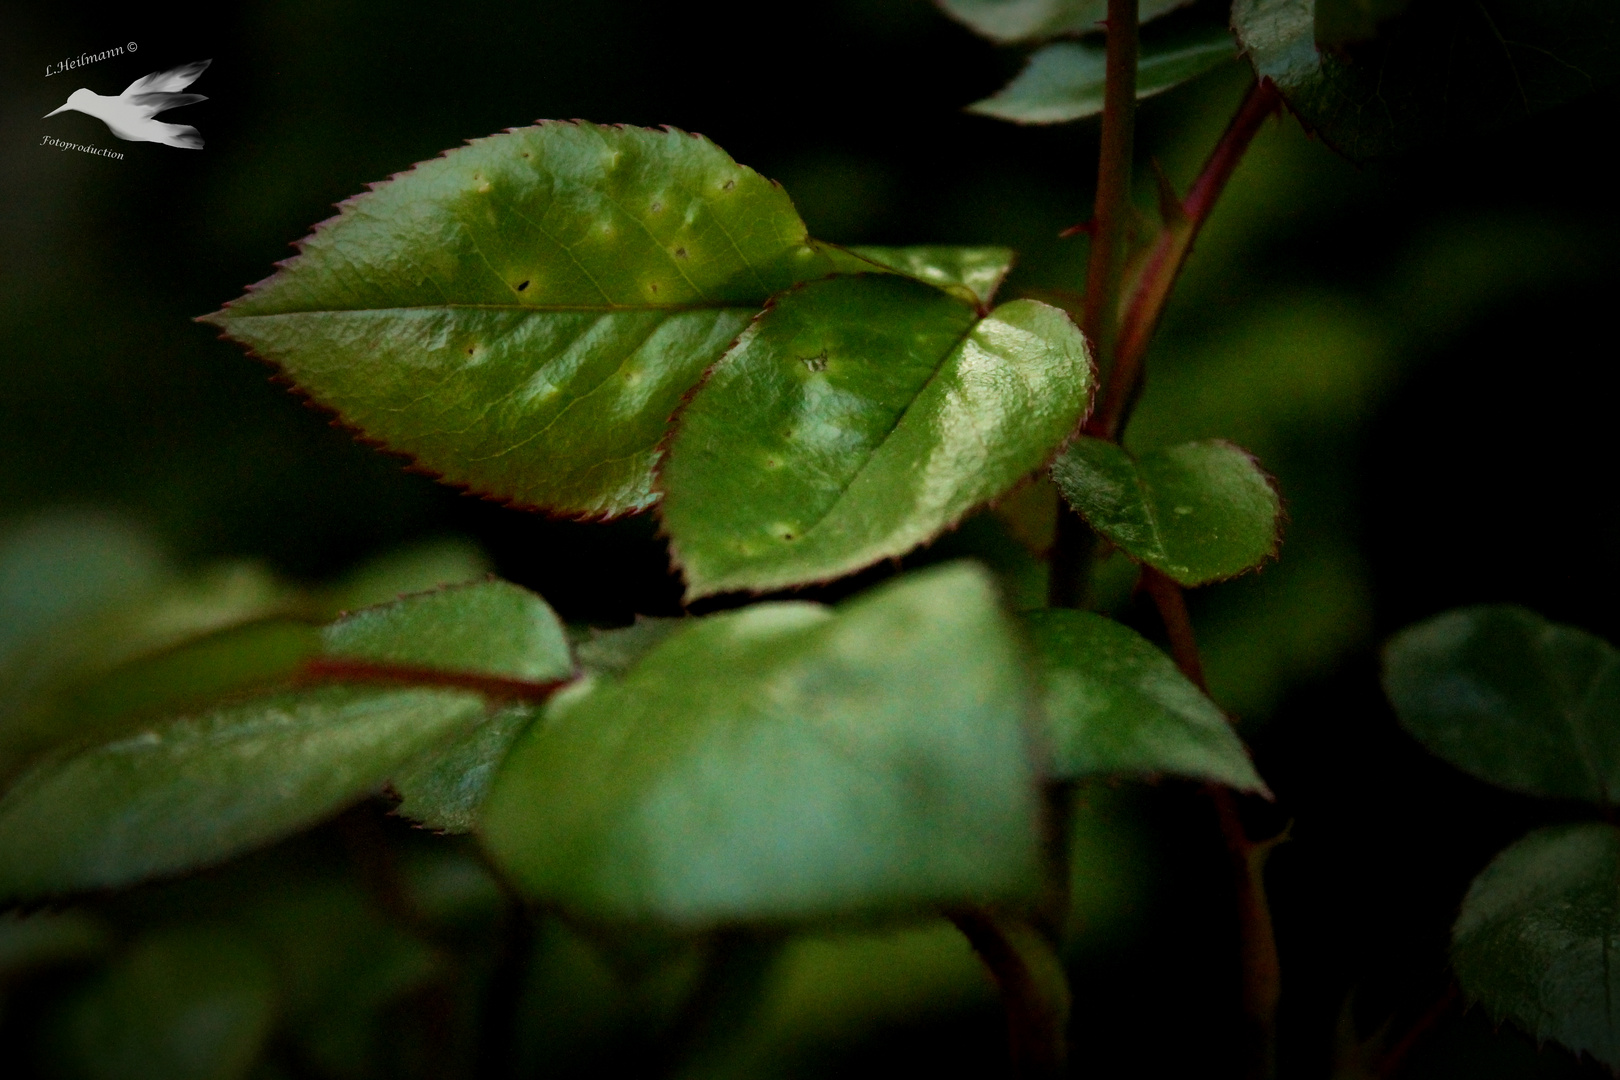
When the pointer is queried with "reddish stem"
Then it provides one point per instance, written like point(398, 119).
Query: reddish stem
point(1036, 1025)
point(1163, 263)
point(1262, 971)
point(1392, 1061)
point(324, 669)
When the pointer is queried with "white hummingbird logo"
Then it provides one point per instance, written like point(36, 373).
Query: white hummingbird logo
point(129, 115)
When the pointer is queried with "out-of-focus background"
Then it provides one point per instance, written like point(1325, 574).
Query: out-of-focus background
point(1415, 349)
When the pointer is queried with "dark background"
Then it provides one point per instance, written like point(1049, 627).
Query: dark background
point(1414, 348)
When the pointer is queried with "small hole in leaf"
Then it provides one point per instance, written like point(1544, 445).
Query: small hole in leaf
point(522, 285)
point(657, 206)
point(680, 253)
point(728, 185)
point(653, 286)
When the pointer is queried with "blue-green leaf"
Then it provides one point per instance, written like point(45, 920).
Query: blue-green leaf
point(786, 761)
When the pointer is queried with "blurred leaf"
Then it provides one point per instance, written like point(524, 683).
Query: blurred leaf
point(829, 991)
point(56, 568)
point(523, 314)
point(1115, 704)
point(490, 627)
point(1535, 936)
point(1435, 73)
point(613, 652)
point(785, 761)
point(1064, 81)
point(856, 419)
point(972, 273)
point(1515, 700)
point(42, 939)
point(445, 789)
point(1007, 21)
point(197, 790)
point(191, 675)
point(1198, 512)
point(186, 1004)
point(411, 569)
point(116, 601)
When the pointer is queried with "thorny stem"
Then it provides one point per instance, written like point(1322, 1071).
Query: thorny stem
point(1262, 973)
point(1105, 266)
point(1037, 1010)
point(365, 671)
point(1183, 220)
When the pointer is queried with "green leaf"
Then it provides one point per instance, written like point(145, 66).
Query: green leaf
point(186, 1004)
point(491, 627)
point(523, 314)
point(1197, 512)
point(197, 790)
point(857, 418)
point(1515, 700)
point(786, 761)
point(1115, 704)
point(1536, 933)
point(1007, 21)
point(616, 651)
point(1064, 81)
point(445, 789)
point(973, 273)
point(1434, 73)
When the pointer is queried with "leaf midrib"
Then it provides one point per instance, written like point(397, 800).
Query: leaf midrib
point(899, 419)
point(539, 309)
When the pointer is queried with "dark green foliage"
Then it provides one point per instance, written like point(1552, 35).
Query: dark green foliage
point(1115, 704)
point(1197, 512)
point(1064, 81)
point(1435, 73)
point(786, 762)
point(1513, 699)
point(878, 412)
point(1536, 933)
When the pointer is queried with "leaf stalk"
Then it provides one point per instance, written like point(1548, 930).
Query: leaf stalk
point(1164, 261)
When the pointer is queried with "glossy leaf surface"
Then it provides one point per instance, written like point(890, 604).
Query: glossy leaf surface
point(492, 628)
point(186, 1004)
point(973, 273)
point(1008, 21)
point(1513, 699)
point(786, 761)
point(1064, 80)
point(196, 790)
point(445, 789)
point(857, 418)
point(1197, 512)
point(1115, 704)
point(1536, 935)
point(523, 314)
point(1433, 73)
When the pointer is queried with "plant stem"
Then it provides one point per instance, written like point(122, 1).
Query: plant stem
point(1392, 1061)
point(1183, 221)
point(364, 671)
point(1036, 1002)
point(1262, 973)
point(1105, 267)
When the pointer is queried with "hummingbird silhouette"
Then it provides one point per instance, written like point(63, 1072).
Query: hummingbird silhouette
point(129, 115)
